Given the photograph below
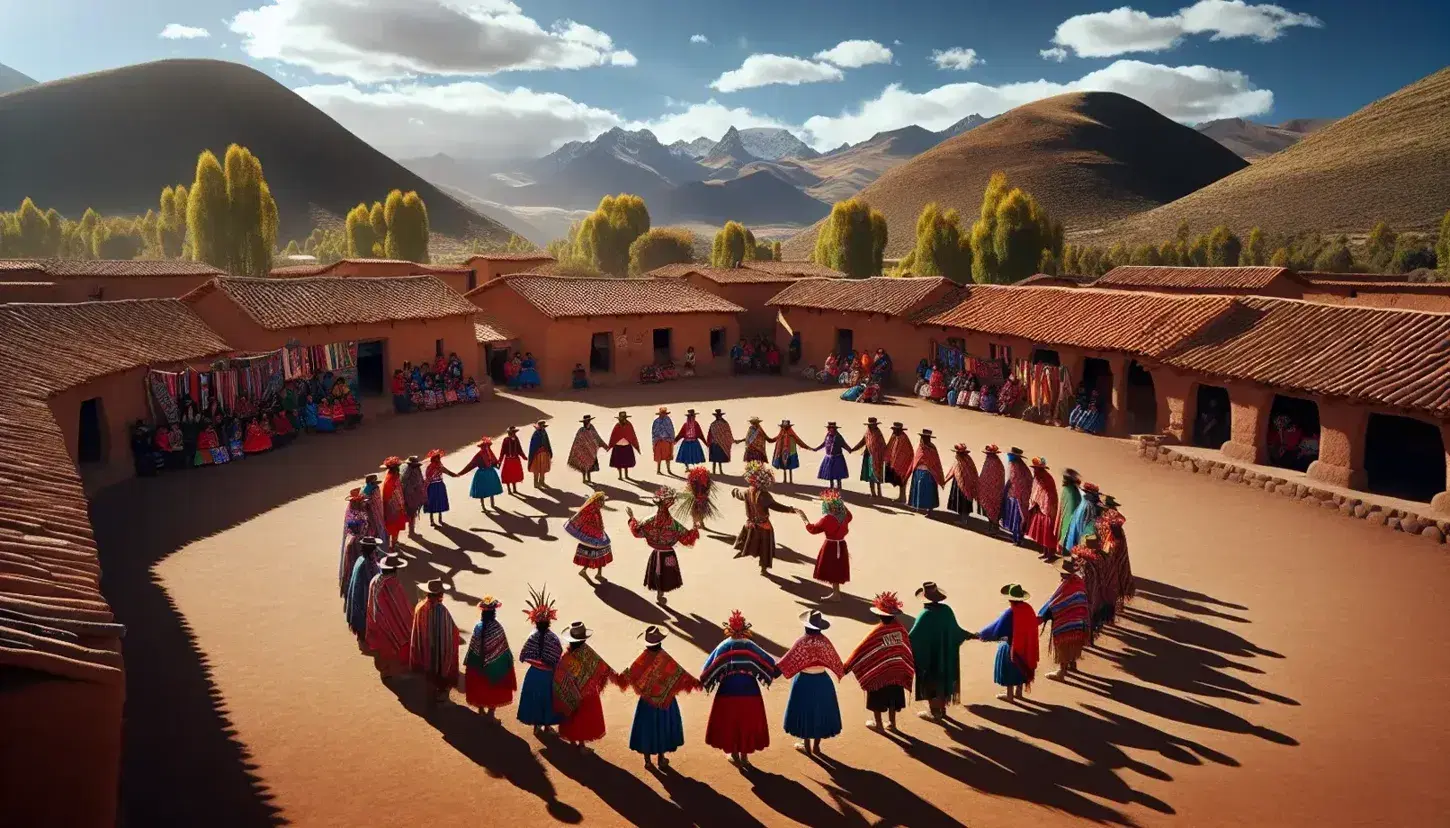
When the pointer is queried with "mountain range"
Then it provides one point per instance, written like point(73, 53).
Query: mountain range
point(11, 80)
point(1251, 140)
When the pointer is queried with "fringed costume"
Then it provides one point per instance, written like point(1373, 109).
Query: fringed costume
point(1067, 610)
point(658, 680)
point(488, 664)
point(755, 441)
point(584, 453)
point(587, 527)
point(757, 536)
point(662, 532)
point(695, 503)
point(579, 677)
point(734, 672)
point(899, 455)
point(883, 663)
point(812, 710)
point(390, 617)
point(720, 439)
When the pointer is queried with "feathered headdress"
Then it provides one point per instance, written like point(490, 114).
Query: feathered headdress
point(699, 480)
point(736, 626)
point(833, 504)
point(887, 604)
point(540, 606)
point(664, 496)
point(758, 475)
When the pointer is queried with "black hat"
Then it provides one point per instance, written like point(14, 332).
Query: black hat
point(931, 592)
point(652, 635)
point(577, 632)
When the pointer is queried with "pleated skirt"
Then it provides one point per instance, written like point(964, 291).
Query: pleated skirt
point(587, 723)
point(737, 724)
point(1004, 669)
point(812, 711)
point(437, 502)
point(690, 453)
point(536, 698)
point(924, 493)
point(656, 730)
point(484, 693)
point(485, 484)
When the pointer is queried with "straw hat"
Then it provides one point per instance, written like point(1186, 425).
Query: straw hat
point(435, 586)
point(1015, 592)
point(931, 592)
point(652, 635)
point(886, 605)
point(814, 620)
point(577, 632)
point(662, 411)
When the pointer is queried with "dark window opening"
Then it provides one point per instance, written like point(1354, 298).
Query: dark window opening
point(472, 279)
point(845, 341)
point(1142, 401)
point(717, 342)
point(1046, 356)
point(1213, 423)
point(795, 348)
point(1097, 375)
point(91, 447)
point(662, 345)
point(1293, 438)
point(370, 367)
point(1403, 457)
point(497, 359)
point(601, 352)
point(437, 347)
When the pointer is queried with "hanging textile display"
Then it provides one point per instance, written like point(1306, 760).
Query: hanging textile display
point(302, 361)
point(954, 359)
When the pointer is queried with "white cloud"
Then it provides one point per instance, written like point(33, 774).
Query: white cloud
point(1124, 30)
point(399, 39)
point(853, 54)
point(764, 70)
point(1185, 93)
point(699, 38)
point(956, 58)
point(176, 31)
point(1056, 53)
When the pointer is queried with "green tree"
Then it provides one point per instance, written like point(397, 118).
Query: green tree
point(292, 249)
point(1280, 257)
point(941, 249)
point(207, 212)
point(407, 227)
point(775, 250)
point(1442, 245)
point(852, 240)
point(1380, 247)
point(1089, 260)
point(1021, 234)
point(378, 216)
point(1335, 258)
point(1144, 254)
point(1168, 253)
point(729, 245)
point(1412, 252)
point(604, 236)
point(659, 247)
point(1047, 263)
point(1255, 250)
point(231, 217)
point(1197, 255)
point(116, 238)
point(358, 228)
point(1117, 256)
point(1183, 233)
point(984, 230)
point(79, 243)
point(1223, 247)
point(33, 229)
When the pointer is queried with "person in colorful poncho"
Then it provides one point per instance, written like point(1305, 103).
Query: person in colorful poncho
point(696, 501)
point(623, 446)
point(812, 712)
point(512, 454)
point(963, 479)
point(833, 561)
point(579, 677)
point(658, 680)
point(734, 672)
point(755, 440)
point(662, 532)
point(926, 476)
point(833, 465)
point(390, 617)
point(395, 506)
point(377, 526)
point(1042, 519)
point(882, 663)
point(757, 536)
point(584, 453)
point(1068, 498)
point(541, 652)
point(1016, 496)
point(873, 458)
point(787, 445)
point(719, 440)
point(662, 440)
point(1016, 628)
point(1109, 527)
point(354, 529)
point(415, 492)
point(486, 483)
point(936, 642)
point(436, 499)
point(541, 454)
point(1084, 518)
point(991, 487)
point(587, 527)
point(433, 650)
point(1101, 582)
point(899, 456)
point(488, 664)
point(690, 452)
point(1067, 611)
point(355, 604)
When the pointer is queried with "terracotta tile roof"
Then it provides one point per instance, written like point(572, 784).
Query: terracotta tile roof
point(276, 304)
point(723, 275)
point(299, 270)
point(7, 265)
point(879, 294)
point(1393, 357)
point(1192, 278)
point(512, 257)
point(1045, 280)
point(1096, 320)
point(487, 329)
point(412, 268)
point(1377, 281)
point(63, 268)
point(55, 619)
point(796, 269)
point(561, 296)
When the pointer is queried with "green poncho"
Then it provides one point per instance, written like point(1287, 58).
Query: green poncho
point(1067, 500)
point(936, 642)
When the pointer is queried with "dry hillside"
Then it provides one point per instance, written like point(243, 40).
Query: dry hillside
point(1090, 158)
point(111, 140)
point(1252, 141)
point(1389, 161)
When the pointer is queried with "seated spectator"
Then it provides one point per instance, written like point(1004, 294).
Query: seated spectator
point(581, 377)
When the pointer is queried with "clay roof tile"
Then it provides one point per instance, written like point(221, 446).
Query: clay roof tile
point(561, 296)
point(277, 304)
point(879, 294)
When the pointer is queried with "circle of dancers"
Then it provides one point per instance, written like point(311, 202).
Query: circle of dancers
point(1071, 523)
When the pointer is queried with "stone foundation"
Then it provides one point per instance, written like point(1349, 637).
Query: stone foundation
point(1152, 449)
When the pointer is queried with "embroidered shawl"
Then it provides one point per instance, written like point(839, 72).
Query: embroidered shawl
point(511, 447)
point(580, 673)
point(662, 430)
point(390, 617)
point(623, 433)
point(690, 430)
point(786, 442)
point(810, 650)
point(964, 473)
point(415, 491)
point(394, 505)
point(542, 649)
point(587, 525)
point(755, 438)
point(584, 453)
point(899, 454)
point(721, 435)
point(488, 650)
point(657, 678)
point(927, 458)
point(663, 532)
point(434, 647)
point(883, 658)
point(1019, 481)
point(738, 656)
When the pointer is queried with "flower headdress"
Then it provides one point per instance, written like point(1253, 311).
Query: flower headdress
point(664, 496)
point(758, 475)
point(392, 462)
point(736, 626)
point(833, 504)
point(540, 606)
point(435, 454)
point(698, 479)
point(886, 603)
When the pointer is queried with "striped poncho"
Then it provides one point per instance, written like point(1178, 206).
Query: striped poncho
point(580, 673)
point(657, 678)
point(899, 455)
point(738, 656)
point(721, 437)
point(488, 650)
point(390, 618)
point(542, 649)
point(584, 454)
point(434, 646)
point(883, 658)
point(811, 650)
point(1067, 609)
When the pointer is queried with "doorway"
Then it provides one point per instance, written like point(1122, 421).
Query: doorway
point(845, 341)
point(370, 367)
point(496, 359)
point(1142, 400)
point(1293, 438)
point(601, 356)
point(662, 346)
point(1403, 457)
point(717, 342)
point(1213, 422)
point(1097, 375)
point(1046, 356)
point(91, 442)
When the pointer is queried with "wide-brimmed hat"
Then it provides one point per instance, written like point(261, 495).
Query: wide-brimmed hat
point(489, 603)
point(719, 412)
point(355, 496)
point(872, 421)
point(832, 425)
point(1071, 474)
point(414, 461)
point(961, 448)
point(814, 620)
point(1090, 487)
point(1039, 463)
point(736, 626)
point(886, 605)
point(1069, 565)
point(541, 424)
point(577, 632)
point(1015, 592)
point(1015, 450)
point(586, 418)
point(435, 586)
point(652, 635)
point(786, 423)
point(370, 543)
point(392, 562)
point(1110, 502)
point(754, 420)
point(925, 434)
point(689, 412)
point(624, 415)
point(992, 449)
point(662, 411)
point(931, 592)
point(513, 429)
point(898, 427)
point(391, 462)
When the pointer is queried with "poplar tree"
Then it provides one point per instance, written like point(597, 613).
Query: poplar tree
point(659, 247)
point(359, 230)
point(728, 248)
point(941, 249)
point(604, 236)
point(1223, 248)
point(1255, 251)
point(406, 218)
point(207, 213)
point(852, 240)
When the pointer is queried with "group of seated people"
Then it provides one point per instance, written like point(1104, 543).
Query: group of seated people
point(665, 369)
point(964, 389)
point(426, 386)
point(755, 356)
point(863, 373)
point(521, 371)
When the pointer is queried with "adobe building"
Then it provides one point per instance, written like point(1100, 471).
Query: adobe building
point(1227, 281)
point(70, 382)
point(495, 343)
point(461, 278)
point(751, 285)
point(1376, 290)
point(613, 327)
point(95, 280)
point(490, 266)
point(393, 319)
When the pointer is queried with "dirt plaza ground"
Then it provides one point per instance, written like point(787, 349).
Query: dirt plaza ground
point(1281, 665)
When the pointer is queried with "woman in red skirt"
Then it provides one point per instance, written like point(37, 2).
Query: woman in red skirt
point(734, 673)
point(488, 677)
point(513, 461)
point(833, 562)
point(579, 678)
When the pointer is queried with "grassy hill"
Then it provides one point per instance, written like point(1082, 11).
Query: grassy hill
point(1389, 161)
point(1090, 158)
point(111, 140)
point(1252, 140)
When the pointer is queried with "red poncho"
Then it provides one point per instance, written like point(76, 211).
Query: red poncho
point(1024, 640)
point(964, 473)
point(927, 458)
point(875, 444)
point(1042, 523)
point(899, 455)
point(989, 487)
point(623, 434)
point(395, 507)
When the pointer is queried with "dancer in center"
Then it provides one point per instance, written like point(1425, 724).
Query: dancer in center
point(991, 484)
point(1016, 496)
point(1042, 509)
point(926, 476)
point(541, 652)
point(433, 650)
point(696, 502)
point(734, 672)
point(584, 454)
point(662, 440)
point(720, 439)
point(899, 456)
point(415, 493)
point(657, 679)
point(690, 452)
point(787, 455)
point(486, 484)
point(395, 506)
point(541, 454)
point(833, 561)
point(579, 678)
point(883, 663)
point(873, 459)
point(833, 465)
point(812, 712)
point(512, 454)
point(757, 536)
point(587, 527)
point(963, 477)
point(623, 444)
point(1016, 628)
point(662, 532)
point(488, 664)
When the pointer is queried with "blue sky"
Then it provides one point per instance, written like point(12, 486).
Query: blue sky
point(518, 77)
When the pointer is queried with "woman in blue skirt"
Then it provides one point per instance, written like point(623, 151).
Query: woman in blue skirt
point(833, 466)
point(486, 483)
point(1016, 629)
point(812, 712)
point(437, 500)
point(926, 476)
point(542, 653)
point(690, 452)
point(658, 679)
